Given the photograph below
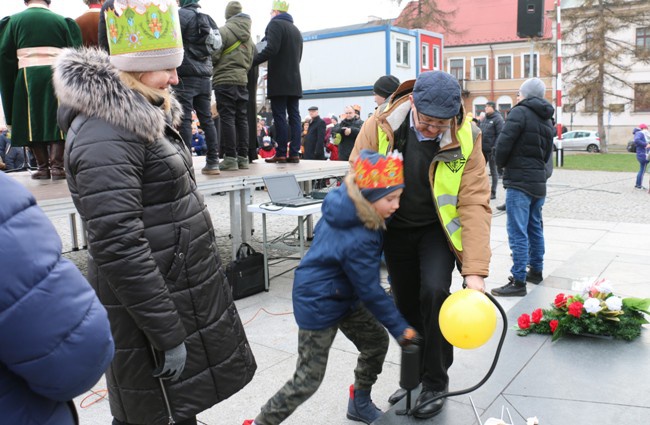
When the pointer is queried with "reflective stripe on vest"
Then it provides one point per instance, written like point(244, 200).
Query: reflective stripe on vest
point(446, 185)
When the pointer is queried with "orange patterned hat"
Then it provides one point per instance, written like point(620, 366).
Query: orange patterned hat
point(378, 175)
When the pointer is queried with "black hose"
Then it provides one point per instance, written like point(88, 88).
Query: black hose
point(494, 362)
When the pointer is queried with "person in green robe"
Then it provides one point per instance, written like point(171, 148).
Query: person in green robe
point(30, 41)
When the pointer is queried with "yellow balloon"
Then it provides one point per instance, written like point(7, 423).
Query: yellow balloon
point(467, 319)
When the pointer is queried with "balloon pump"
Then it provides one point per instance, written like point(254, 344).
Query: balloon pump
point(410, 367)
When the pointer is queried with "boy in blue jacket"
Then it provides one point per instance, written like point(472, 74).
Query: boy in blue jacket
point(336, 286)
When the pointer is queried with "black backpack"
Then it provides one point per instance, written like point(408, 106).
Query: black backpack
point(208, 40)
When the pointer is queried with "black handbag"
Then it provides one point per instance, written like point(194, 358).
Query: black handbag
point(246, 273)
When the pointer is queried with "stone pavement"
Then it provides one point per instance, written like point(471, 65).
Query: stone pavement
point(595, 227)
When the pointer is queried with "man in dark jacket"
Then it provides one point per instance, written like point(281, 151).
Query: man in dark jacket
point(491, 127)
point(283, 52)
point(315, 138)
point(523, 149)
point(347, 131)
point(230, 80)
point(194, 90)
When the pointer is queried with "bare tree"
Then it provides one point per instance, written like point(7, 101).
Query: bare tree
point(426, 14)
point(596, 61)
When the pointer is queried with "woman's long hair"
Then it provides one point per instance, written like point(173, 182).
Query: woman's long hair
point(154, 96)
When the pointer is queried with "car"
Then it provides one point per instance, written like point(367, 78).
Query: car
point(579, 140)
point(631, 146)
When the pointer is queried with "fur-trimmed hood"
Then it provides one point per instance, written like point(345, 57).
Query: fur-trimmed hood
point(86, 83)
point(341, 213)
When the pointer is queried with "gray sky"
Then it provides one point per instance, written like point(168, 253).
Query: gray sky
point(308, 15)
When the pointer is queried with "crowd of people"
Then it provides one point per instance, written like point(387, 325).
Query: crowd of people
point(120, 121)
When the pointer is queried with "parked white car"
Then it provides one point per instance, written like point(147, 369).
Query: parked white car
point(579, 140)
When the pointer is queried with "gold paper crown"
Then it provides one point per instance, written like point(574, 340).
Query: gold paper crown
point(144, 30)
point(280, 5)
point(374, 171)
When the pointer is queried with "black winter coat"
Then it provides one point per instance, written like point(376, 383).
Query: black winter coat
point(347, 142)
point(283, 52)
point(491, 127)
point(153, 259)
point(525, 145)
point(315, 139)
point(192, 66)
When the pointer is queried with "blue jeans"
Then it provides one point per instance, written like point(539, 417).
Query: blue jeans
point(280, 106)
point(194, 93)
point(525, 232)
point(639, 176)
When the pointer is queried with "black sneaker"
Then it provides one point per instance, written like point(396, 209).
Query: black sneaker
point(501, 207)
point(514, 288)
point(533, 276)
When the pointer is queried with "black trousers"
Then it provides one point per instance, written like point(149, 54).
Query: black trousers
point(420, 265)
point(491, 160)
point(232, 104)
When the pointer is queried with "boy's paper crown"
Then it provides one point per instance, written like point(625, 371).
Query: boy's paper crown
point(144, 35)
point(378, 175)
point(280, 5)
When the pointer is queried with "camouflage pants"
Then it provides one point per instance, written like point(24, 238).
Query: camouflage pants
point(360, 327)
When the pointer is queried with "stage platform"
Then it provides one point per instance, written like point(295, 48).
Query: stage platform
point(54, 198)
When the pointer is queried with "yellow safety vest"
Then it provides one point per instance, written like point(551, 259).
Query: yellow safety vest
point(447, 181)
point(446, 185)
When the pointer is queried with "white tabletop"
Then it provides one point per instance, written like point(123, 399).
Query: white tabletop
point(270, 208)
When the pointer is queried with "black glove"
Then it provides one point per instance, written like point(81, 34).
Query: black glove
point(173, 364)
point(408, 337)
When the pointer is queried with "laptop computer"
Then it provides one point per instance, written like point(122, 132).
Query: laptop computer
point(285, 191)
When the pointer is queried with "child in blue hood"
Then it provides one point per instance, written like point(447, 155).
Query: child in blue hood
point(336, 286)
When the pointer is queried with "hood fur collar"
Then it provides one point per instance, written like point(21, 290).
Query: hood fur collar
point(365, 211)
point(86, 82)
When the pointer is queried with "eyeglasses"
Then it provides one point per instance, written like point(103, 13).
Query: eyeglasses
point(432, 127)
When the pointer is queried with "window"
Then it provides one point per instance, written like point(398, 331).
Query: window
point(504, 108)
point(504, 64)
point(402, 52)
point(425, 56)
point(642, 97)
point(480, 68)
point(526, 64)
point(616, 108)
point(436, 55)
point(569, 107)
point(590, 103)
point(457, 68)
point(643, 41)
point(478, 109)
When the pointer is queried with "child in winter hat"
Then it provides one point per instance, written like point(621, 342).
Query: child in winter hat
point(337, 285)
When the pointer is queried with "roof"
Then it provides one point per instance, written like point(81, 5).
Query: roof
point(484, 22)
point(379, 24)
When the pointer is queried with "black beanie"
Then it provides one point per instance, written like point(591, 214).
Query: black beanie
point(385, 86)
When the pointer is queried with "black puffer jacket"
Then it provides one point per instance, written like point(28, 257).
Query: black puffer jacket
point(153, 259)
point(491, 127)
point(525, 145)
point(191, 66)
point(283, 51)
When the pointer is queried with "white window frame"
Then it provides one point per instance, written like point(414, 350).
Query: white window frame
point(436, 57)
point(496, 67)
point(402, 46)
point(487, 77)
point(461, 58)
point(524, 67)
point(426, 63)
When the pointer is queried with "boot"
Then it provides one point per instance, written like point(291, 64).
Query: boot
point(514, 288)
point(534, 276)
point(211, 169)
point(361, 408)
point(56, 160)
point(229, 164)
point(242, 162)
point(43, 167)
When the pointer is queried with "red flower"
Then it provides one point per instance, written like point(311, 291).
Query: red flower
point(560, 300)
point(553, 324)
point(575, 309)
point(537, 316)
point(524, 321)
